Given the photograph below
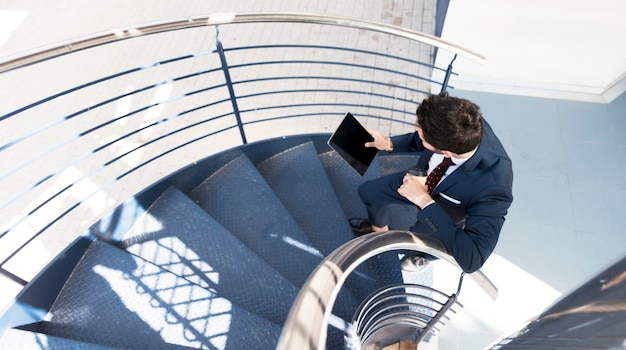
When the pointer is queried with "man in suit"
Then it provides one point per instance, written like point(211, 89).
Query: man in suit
point(466, 208)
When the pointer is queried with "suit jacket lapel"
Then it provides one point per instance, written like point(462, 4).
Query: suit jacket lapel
point(449, 180)
point(468, 166)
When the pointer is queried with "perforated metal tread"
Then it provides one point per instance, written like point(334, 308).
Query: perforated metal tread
point(299, 180)
point(261, 221)
point(397, 162)
point(346, 181)
point(179, 236)
point(119, 300)
point(189, 178)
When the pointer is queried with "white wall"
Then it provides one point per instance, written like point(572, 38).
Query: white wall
point(564, 49)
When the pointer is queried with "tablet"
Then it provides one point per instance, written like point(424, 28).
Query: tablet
point(349, 142)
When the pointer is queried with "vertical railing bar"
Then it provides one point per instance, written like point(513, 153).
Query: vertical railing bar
point(444, 86)
point(13, 277)
point(458, 290)
point(229, 84)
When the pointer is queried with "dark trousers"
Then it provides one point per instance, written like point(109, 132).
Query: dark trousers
point(377, 194)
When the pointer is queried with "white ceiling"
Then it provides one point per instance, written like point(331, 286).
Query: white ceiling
point(566, 49)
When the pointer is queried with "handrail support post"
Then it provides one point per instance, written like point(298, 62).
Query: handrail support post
point(444, 86)
point(13, 277)
point(229, 84)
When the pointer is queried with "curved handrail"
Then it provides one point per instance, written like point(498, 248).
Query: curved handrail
point(101, 38)
point(305, 327)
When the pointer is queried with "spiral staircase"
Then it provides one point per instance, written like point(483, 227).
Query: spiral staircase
point(213, 241)
point(213, 251)
point(191, 271)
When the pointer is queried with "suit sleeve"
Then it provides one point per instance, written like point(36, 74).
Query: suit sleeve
point(407, 143)
point(472, 243)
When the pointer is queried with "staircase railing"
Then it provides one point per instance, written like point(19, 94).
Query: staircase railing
point(306, 325)
point(84, 130)
point(80, 139)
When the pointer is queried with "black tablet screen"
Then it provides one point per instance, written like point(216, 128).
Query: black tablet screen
point(349, 141)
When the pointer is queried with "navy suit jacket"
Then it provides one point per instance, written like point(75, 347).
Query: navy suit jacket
point(470, 203)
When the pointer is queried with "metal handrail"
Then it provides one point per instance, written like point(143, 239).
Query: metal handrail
point(106, 37)
point(306, 328)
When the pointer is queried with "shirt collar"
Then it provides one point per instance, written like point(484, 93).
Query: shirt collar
point(438, 157)
point(460, 161)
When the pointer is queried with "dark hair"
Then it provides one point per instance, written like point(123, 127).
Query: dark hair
point(450, 123)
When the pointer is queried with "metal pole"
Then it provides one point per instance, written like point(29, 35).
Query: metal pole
point(444, 86)
point(229, 84)
point(13, 277)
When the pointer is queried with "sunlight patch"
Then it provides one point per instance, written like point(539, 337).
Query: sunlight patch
point(299, 245)
point(181, 312)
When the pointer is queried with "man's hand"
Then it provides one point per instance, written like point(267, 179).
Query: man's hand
point(380, 141)
point(415, 191)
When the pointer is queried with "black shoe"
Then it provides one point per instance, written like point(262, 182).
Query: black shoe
point(416, 262)
point(360, 226)
point(413, 263)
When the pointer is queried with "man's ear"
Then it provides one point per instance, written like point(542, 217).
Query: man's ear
point(447, 154)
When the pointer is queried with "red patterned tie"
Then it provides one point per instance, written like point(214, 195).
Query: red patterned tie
point(435, 176)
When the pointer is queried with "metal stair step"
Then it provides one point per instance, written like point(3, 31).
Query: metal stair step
point(263, 222)
point(238, 197)
point(116, 299)
point(298, 178)
point(346, 181)
point(179, 236)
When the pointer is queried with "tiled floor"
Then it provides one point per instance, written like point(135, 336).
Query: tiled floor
point(566, 222)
